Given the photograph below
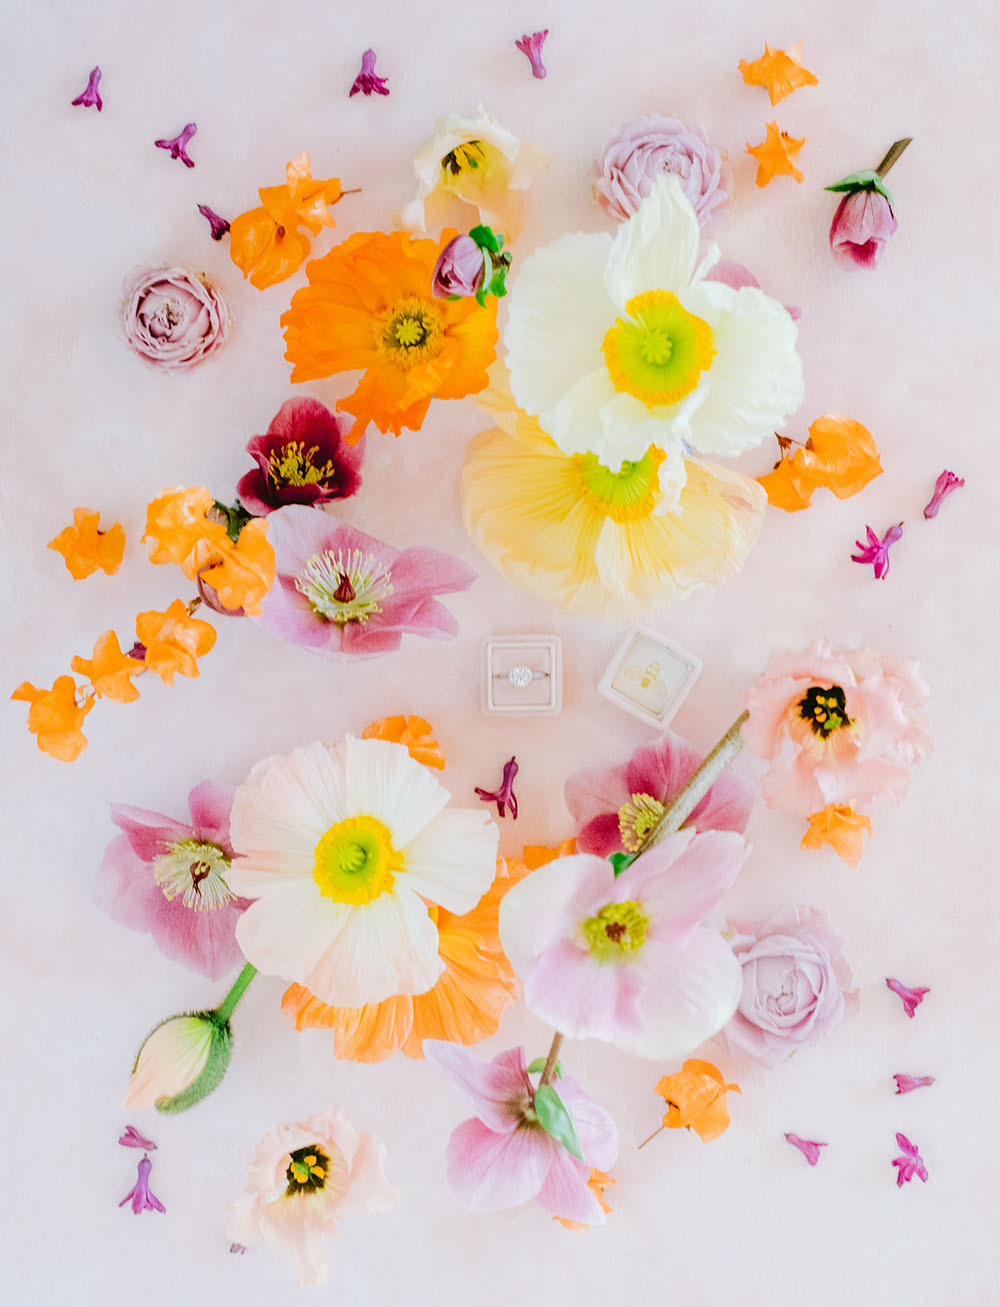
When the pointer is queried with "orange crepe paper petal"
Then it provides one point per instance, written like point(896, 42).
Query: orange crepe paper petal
point(176, 525)
point(55, 717)
point(842, 828)
point(696, 1099)
point(775, 155)
point(242, 573)
point(110, 671)
point(780, 72)
point(174, 640)
point(840, 455)
point(597, 1183)
point(413, 732)
point(537, 855)
point(85, 549)
point(264, 250)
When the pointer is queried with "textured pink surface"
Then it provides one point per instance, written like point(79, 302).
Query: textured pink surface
point(909, 351)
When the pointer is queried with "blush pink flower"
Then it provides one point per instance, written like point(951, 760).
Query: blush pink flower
point(629, 959)
point(170, 879)
point(532, 47)
point(838, 726)
point(646, 149)
point(796, 984)
point(906, 1084)
point(303, 1178)
point(862, 225)
point(943, 487)
point(90, 96)
point(339, 592)
point(614, 807)
point(141, 1196)
point(502, 1156)
point(809, 1148)
point(875, 550)
point(174, 319)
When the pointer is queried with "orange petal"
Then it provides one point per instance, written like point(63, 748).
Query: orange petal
point(696, 1099)
point(775, 155)
point(784, 489)
point(840, 455)
point(55, 717)
point(110, 671)
point(85, 548)
point(174, 640)
point(414, 732)
point(842, 828)
point(176, 525)
point(242, 573)
point(265, 250)
point(780, 72)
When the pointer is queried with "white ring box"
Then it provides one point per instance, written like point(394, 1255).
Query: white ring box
point(541, 654)
point(649, 676)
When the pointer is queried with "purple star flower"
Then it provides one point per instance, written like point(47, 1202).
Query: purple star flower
point(504, 797)
point(912, 998)
point(532, 47)
point(943, 486)
point(876, 551)
point(809, 1148)
point(366, 81)
point(90, 98)
point(909, 1165)
point(907, 1084)
point(219, 225)
point(133, 1139)
point(143, 1199)
point(177, 145)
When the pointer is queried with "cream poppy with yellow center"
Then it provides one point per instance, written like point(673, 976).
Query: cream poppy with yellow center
point(660, 351)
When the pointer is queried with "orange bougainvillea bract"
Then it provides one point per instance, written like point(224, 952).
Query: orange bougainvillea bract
point(597, 1182)
point(85, 548)
point(775, 155)
point(110, 671)
point(840, 455)
point(842, 828)
point(174, 640)
point(414, 732)
point(696, 1099)
point(55, 717)
point(369, 306)
point(780, 72)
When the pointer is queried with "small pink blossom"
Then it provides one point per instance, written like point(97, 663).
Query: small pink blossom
point(912, 998)
point(876, 551)
point(809, 1148)
point(177, 145)
point(238, 1248)
point(502, 1157)
point(143, 1199)
point(90, 97)
point(647, 149)
point(504, 797)
point(909, 1165)
point(218, 225)
point(460, 269)
point(532, 47)
point(133, 1139)
point(943, 486)
point(906, 1084)
point(862, 225)
point(366, 81)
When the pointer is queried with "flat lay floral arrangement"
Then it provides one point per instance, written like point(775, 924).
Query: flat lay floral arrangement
point(616, 377)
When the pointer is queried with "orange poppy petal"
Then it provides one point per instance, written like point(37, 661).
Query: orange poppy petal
point(696, 1099)
point(243, 572)
point(176, 525)
point(85, 548)
point(264, 249)
point(110, 671)
point(414, 732)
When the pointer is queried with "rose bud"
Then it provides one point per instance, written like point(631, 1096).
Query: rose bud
point(460, 270)
point(863, 223)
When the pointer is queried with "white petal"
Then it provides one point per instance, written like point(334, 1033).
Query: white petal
point(384, 782)
point(656, 248)
point(453, 860)
point(286, 933)
point(575, 423)
point(691, 994)
point(541, 906)
point(557, 320)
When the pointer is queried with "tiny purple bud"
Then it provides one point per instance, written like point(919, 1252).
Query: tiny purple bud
point(532, 47)
point(133, 1139)
point(138, 651)
point(177, 145)
point(90, 97)
point(912, 998)
point(219, 225)
point(876, 551)
point(143, 1199)
point(907, 1084)
point(809, 1148)
point(460, 269)
point(237, 1247)
point(504, 797)
point(366, 81)
point(943, 486)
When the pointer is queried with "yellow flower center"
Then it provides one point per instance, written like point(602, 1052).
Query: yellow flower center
point(195, 871)
point(470, 156)
point(294, 465)
point(354, 861)
point(637, 818)
point(616, 932)
point(625, 495)
point(659, 353)
point(411, 332)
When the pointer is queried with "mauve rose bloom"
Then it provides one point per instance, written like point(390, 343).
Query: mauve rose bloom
point(174, 319)
point(644, 150)
point(460, 269)
point(863, 223)
point(303, 459)
point(795, 984)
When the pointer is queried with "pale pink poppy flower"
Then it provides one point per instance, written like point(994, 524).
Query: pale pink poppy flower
point(502, 1156)
point(838, 726)
point(303, 1178)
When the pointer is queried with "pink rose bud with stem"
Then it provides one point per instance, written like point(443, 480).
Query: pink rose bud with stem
point(864, 220)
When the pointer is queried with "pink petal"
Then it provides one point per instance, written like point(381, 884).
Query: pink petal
point(912, 998)
point(421, 573)
point(133, 1139)
point(581, 997)
point(566, 1193)
point(689, 996)
point(124, 885)
point(595, 1128)
point(489, 1171)
point(488, 1087)
point(809, 1148)
point(210, 805)
point(148, 833)
point(682, 879)
point(205, 941)
point(906, 1084)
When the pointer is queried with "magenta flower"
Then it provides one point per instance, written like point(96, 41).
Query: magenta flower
point(651, 147)
point(143, 1199)
point(366, 81)
point(912, 998)
point(177, 145)
point(910, 1164)
point(339, 592)
point(943, 486)
point(303, 459)
point(90, 96)
point(532, 47)
point(876, 551)
point(169, 879)
point(862, 225)
point(218, 225)
point(504, 797)
point(906, 1084)
point(502, 1156)
point(133, 1139)
point(809, 1148)
point(614, 807)
point(460, 269)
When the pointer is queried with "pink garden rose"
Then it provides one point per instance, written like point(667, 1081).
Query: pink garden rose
point(644, 150)
point(174, 319)
point(796, 984)
point(862, 225)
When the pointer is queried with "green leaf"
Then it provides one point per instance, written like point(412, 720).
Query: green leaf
point(539, 1065)
point(498, 282)
point(236, 518)
point(556, 1120)
point(868, 180)
point(487, 239)
point(620, 861)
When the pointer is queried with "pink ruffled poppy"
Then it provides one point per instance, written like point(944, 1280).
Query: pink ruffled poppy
point(170, 879)
point(340, 592)
point(839, 726)
point(502, 1157)
point(615, 806)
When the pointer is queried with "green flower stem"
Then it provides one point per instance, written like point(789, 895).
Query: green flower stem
point(225, 1009)
point(892, 155)
point(550, 1061)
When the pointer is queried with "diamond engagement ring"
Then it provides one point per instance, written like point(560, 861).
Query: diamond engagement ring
point(520, 676)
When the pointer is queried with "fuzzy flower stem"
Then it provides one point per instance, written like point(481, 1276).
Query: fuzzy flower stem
point(892, 155)
point(550, 1061)
point(225, 1009)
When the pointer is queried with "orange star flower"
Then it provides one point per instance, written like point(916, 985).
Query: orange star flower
point(775, 155)
point(842, 828)
point(597, 1183)
point(414, 732)
point(696, 1099)
point(840, 455)
point(85, 549)
point(55, 717)
point(174, 640)
point(369, 305)
point(110, 671)
point(780, 72)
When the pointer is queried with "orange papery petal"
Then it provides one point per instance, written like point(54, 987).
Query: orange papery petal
point(413, 732)
point(109, 670)
point(775, 155)
point(85, 548)
point(842, 828)
point(780, 72)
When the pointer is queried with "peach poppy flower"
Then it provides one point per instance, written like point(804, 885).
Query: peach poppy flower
point(842, 828)
point(85, 548)
point(696, 1099)
point(55, 717)
point(369, 306)
point(413, 732)
point(173, 641)
point(110, 671)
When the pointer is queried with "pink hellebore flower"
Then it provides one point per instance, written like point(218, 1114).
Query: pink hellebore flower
point(90, 96)
point(170, 879)
point(532, 47)
point(863, 223)
point(943, 486)
point(143, 1199)
point(809, 1148)
point(906, 1084)
point(177, 145)
point(912, 998)
point(614, 807)
point(628, 959)
point(502, 1156)
point(910, 1164)
point(366, 81)
point(341, 593)
point(876, 551)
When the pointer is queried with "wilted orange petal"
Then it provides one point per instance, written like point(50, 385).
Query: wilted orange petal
point(775, 155)
point(110, 671)
point(537, 855)
point(176, 524)
point(245, 570)
point(780, 72)
point(784, 488)
point(174, 640)
point(414, 732)
point(840, 454)
point(842, 828)
point(55, 717)
point(85, 548)
point(264, 250)
point(696, 1099)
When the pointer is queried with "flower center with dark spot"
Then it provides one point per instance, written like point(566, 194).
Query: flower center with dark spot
point(307, 1170)
point(193, 871)
point(344, 586)
point(616, 932)
point(470, 156)
point(825, 709)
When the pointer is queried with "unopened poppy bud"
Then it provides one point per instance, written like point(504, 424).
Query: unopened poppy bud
point(180, 1062)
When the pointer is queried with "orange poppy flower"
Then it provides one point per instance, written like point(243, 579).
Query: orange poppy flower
point(775, 155)
point(369, 305)
point(696, 1099)
point(85, 548)
point(780, 72)
point(842, 828)
point(414, 732)
point(597, 1183)
point(110, 671)
point(55, 717)
point(174, 640)
point(840, 455)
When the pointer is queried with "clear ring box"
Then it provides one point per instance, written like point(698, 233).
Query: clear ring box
point(522, 674)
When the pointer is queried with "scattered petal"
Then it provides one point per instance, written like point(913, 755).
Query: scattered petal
point(133, 1139)
point(85, 548)
point(174, 641)
point(906, 1084)
point(809, 1148)
point(876, 551)
point(265, 243)
point(366, 81)
point(237, 1247)
point(912, 998)
point(504, 797)
point(598, 1182)
point(219, 225)
point(909, 1165)
point(532, 47)
point(840, 455)
point(177, 145)
point(110, 671)
point(780, 72)
point(143, 1199)
point(943, 486)
point(55, 717)
point(413, 732)
point(696, 1099)
point(90, 97)
point(842, 828)
point(776, 155)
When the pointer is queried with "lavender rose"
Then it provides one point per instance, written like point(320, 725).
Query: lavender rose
point(174, 319)
point(795, 984)
point(460, 269)
point(644, 150)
